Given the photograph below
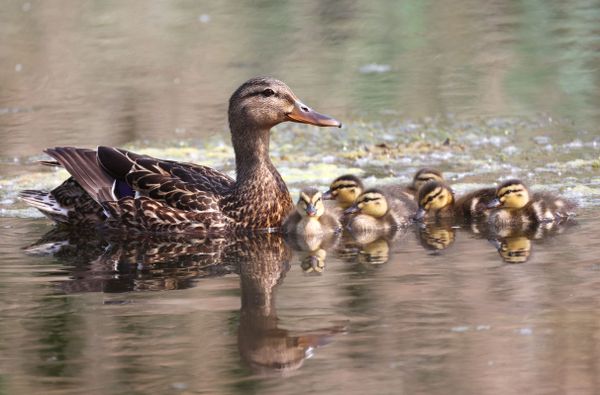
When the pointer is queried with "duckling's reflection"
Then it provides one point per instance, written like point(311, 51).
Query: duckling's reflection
point(514, 243)
point(374, 253)
point(513, 249)
point(436, 236)
point(312, 249)
point(369, 248)
point(141, 264)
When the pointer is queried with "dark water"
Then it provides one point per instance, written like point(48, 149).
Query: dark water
point(512, 86)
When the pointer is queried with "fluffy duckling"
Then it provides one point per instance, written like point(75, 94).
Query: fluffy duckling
point(310, 217)
point(344, 190)
point(436, 201)
point(514, 205)
point(376, 212)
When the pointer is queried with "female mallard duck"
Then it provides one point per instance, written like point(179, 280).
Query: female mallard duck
point(310, 217)
point(141, 193)
point(373, 211)
point(436, 202)
point(515, 205)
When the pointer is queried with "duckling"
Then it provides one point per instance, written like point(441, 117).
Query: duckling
point(437, 201)
point(376, 212)
point(514, 205)
point(310, 217)
point(344, 190)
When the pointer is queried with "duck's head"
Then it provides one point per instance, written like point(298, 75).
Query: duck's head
point(372, 202)
point(510, 194)
point(345, 190)
point(433, 196)
point(425, 175)
point(263, 102)
point(310, 204)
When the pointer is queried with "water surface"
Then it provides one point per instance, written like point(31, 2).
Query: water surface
point(483, 93)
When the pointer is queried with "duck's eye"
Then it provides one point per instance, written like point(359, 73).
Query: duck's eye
point(268, 92)
point(440, 197)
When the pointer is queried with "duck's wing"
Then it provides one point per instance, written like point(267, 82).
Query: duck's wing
point(111, 174)
point(132, 167)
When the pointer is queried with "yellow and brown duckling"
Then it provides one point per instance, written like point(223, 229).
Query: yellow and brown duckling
point(133, 192)
point(345, 190)
point(514, 204)
point(374, 211)
point(311, 217)
point(437, 201)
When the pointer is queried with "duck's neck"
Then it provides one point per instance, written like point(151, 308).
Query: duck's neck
point(259, 186)
point(251, 154)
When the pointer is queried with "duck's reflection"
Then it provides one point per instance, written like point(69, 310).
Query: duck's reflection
point(127, 264)
point(262, 344)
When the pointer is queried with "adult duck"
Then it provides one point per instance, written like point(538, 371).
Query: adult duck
point(120, 189)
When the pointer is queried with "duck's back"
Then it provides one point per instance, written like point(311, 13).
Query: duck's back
point(474, 204)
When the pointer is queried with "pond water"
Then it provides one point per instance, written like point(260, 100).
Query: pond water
point(511, 89)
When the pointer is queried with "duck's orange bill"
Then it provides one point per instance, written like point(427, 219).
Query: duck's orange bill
point(304, 114)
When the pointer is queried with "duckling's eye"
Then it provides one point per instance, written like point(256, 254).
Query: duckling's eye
point(268, 92)
point(440, 197)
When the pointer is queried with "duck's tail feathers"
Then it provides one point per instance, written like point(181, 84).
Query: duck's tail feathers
point(46, 203)
point(83, 165)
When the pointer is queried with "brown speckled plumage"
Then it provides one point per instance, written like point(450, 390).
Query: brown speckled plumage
point(139, 193)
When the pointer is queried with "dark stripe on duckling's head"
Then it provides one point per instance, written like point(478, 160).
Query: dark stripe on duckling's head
point(435, 195)
point(345, 189)
point(511, 194)
point(310, 203)
point(372, 202)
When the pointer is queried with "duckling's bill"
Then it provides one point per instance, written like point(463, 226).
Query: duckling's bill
point(301, 113)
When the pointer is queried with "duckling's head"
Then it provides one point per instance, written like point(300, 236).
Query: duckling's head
point(425, 175)
point(510, 194)
point(263, 102)
point(372, 202)
point(310, 203)
point(345, 190)
point(433, 196)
